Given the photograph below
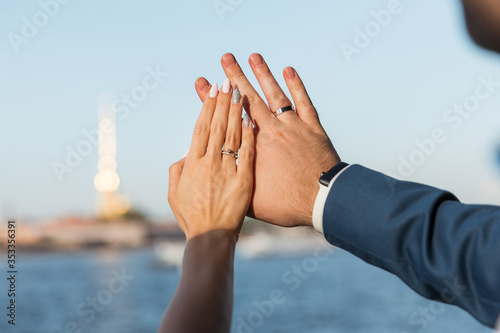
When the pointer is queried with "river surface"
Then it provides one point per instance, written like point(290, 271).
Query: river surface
point(127, 292)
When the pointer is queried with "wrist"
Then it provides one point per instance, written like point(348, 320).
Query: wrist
point(211, 238)
point(209, 252)
point(317, 182)
point(326, 182)
point(196, 226)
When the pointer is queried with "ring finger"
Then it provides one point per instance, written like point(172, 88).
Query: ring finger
point(233, 133)
point(275, 96)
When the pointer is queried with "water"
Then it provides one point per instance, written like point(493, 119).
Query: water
point(340, 294)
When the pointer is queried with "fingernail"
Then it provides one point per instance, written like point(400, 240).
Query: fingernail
point(228, 60)
point(186, 153)
point(236, 96)
point(226, 86)
point(257, 60)
point(246, 120)
point(214, 91)
point(201, 83)
point(289, 73)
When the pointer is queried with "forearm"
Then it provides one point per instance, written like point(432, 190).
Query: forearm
point(203, 300)
point(441, 248)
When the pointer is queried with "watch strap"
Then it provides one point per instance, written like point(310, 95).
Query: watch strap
point(326, 177)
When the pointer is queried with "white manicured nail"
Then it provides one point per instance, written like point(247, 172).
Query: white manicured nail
point(186, 153)
point(226, 86)
point(214, 91)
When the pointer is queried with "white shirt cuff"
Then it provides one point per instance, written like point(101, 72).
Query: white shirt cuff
point(319, 204)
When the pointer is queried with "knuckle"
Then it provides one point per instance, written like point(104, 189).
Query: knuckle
point(201, 129)
point(248, 138)
point(211, 168)
point(264, 70)
point(231, 140)
point(297, 86)
point(305, 105)
point(218, 128)
point(245, 181)
point(223, 104)
point(253, 99)
point(246, 153)
point(224, 101)
point(279, 99)
point(173, 168)
point(275, 130)
point(238, 75)
point(235, 111)
point(230, 143)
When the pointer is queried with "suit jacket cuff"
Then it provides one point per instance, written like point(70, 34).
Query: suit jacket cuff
point(319, 204)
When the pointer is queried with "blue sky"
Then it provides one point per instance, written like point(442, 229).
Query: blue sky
point(393, 92)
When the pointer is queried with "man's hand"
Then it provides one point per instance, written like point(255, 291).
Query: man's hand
point(292, 149)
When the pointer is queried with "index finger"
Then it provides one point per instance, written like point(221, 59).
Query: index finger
point(256, 108)
point(201, 133)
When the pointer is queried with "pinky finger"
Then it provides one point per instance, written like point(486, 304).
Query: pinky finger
point(246, 153)
point(305, 108)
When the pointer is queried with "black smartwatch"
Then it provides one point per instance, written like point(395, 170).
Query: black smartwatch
point(326, 177)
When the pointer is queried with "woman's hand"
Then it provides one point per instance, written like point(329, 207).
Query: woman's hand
point(207, 189)
point(209, 195)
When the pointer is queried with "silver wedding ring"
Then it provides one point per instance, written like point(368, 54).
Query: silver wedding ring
point(281, 110)
point(229, 152)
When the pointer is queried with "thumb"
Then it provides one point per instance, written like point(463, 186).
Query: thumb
point(174, 175)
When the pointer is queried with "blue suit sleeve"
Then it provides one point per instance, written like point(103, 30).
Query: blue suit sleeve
point(441, 248)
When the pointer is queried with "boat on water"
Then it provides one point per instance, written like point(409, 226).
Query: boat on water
point(266, 245)
point(169, 254)
point(251, 246)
